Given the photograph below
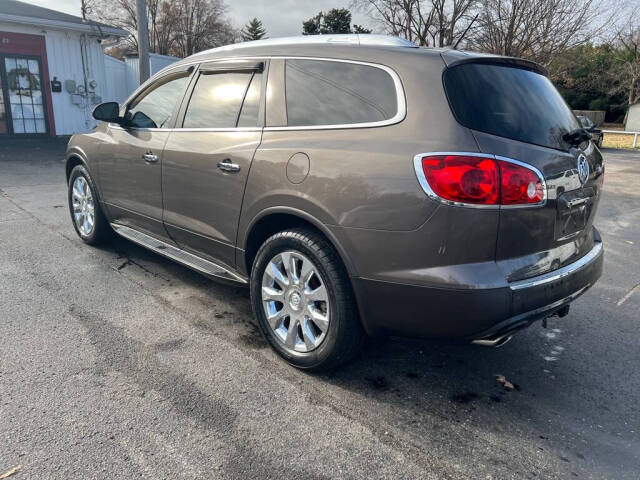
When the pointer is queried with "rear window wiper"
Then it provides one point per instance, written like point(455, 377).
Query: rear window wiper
point(576, 136)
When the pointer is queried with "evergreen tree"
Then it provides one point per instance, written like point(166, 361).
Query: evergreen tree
point(360, 29)
point(313, 26)
point(336, 20)
point(254, 30)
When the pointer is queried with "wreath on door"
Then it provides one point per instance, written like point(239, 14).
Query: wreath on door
point(22, 81)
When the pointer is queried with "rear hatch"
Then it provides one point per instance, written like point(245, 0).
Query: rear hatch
point(514, 111)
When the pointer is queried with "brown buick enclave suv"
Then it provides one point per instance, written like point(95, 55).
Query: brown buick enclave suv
point(357, 184)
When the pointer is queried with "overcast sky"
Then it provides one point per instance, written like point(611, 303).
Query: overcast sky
point(280, 17)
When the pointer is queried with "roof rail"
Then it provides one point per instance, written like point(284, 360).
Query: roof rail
point(337, 39)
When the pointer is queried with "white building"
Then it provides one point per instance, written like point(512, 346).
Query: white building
point(53, 70)
point(632, 120)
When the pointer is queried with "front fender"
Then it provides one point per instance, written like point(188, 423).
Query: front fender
point(77, 154)
point(73, 154)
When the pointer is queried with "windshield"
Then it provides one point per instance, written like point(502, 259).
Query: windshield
point(510, 102)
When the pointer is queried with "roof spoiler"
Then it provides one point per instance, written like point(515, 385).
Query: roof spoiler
point(509, 61)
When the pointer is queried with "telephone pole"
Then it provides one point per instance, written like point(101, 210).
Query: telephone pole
point(143, 42)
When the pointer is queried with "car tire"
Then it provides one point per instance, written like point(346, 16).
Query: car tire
point(300, 340)
point(87, 216)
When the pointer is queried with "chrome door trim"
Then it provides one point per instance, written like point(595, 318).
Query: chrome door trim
point(400, 115)
point(227, 129)
point(199, 264)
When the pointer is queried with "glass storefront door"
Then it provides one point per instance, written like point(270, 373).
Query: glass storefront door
point(23, 94)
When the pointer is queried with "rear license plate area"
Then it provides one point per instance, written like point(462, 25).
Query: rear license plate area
point(573, 213)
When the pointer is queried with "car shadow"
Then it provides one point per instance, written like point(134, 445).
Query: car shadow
point(436, 392)
point(460, 372)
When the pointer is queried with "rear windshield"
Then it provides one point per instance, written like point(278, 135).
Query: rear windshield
point(510, 102)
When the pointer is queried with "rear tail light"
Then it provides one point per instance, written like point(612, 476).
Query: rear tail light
point(479, 180)
point(519, 185)
point(462, 178)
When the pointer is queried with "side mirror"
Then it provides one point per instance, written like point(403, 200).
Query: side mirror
point(107, 112)
point(577, 136)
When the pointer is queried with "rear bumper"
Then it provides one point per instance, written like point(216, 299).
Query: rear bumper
point(396, 308)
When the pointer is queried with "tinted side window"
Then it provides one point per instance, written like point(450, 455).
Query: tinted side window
point(509, 102)
point(321, 92)
point(251, 104)
point(216, 100)
point(154, 108)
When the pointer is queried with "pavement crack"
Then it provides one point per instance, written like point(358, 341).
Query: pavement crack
point(628, 294)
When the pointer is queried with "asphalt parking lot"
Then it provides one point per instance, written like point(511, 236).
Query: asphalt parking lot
point(116, 363)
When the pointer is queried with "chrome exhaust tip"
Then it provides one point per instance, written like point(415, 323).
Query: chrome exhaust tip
point(494, 342)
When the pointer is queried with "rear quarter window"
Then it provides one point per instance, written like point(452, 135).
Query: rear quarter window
point(509, 102)
point(320, 92)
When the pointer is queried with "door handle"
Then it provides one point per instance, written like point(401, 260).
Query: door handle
point(150, 157)
point(226, 166)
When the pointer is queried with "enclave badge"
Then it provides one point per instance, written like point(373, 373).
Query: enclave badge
point(583, 169)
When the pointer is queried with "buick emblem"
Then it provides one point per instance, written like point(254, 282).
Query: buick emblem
point(583, 169)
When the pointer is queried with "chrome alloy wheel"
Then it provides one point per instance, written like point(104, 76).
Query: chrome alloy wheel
point(83, 206)
point(295, 301)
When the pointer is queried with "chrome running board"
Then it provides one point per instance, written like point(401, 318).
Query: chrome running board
point(187, 259)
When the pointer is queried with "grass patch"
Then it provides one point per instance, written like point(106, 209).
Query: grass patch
point(617, 140)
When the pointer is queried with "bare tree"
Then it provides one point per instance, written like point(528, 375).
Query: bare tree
point(176, 27)
point(163, 23)
point(627, 48)
point(535, 29)
point(86, 8)
point(201, 25)
point(426, 22)
point(120, 13)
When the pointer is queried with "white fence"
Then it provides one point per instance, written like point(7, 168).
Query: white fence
point(156, 63)
point(123, 76)
point(624, 132)
point(116, 87)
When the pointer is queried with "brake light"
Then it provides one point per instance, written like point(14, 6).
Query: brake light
point(462, 178)
point(519, 185)
point(479, 180)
